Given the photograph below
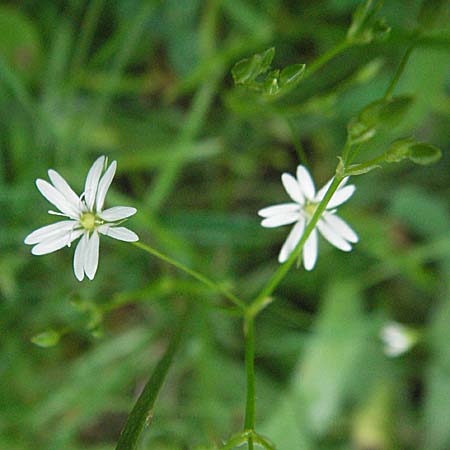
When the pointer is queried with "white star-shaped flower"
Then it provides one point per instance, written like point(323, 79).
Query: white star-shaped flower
point(397, 339)
point(305, 201)
point(86, 218)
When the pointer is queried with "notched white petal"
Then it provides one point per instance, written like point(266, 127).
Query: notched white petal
point(91, 256)
point(279, 220)
point(341, 227)
point(63, 187)
point(341, 196)
point(46, 232)
point(279, 209)
point(104, 185)
point(305, 182)
point(92, 180)
point(56, 242)
point(333, 237)
point(323, 190)
point(117, 213)
point(56, 198)
point(292, 188)
point(310, 251)
point(120, 233)
point(291, 241)
point(79, 258)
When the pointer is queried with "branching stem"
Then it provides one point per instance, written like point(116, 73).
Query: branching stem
point(193, 273)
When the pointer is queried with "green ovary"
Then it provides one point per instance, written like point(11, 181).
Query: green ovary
point(88, 221)
point(310, 208)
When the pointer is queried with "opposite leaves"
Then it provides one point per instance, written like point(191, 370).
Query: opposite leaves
point(252, 73)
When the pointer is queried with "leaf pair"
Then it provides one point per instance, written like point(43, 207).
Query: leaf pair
point(255, 73)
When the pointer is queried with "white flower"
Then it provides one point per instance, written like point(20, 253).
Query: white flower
point(86, 218)
point(305, 201)
point(397, 339)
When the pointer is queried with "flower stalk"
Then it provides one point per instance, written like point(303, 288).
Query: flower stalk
point(197, 275)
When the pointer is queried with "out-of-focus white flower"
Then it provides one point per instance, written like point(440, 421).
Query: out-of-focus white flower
point(397, 339)
point(305, 201)
point(86, 218)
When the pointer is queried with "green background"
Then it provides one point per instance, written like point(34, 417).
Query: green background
point(148, 83)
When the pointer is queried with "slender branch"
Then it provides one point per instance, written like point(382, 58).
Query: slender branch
point(399, 72)
point(327, 56)
point(250, 407)
point(198, 276)
point(367, 164)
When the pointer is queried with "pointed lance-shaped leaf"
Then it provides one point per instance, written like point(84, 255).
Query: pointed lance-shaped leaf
point(46, 339)
point(248, 69)
point(291, 75)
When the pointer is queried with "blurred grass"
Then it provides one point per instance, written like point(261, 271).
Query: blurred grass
point(148, 83)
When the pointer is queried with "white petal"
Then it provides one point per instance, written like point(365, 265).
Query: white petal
point(62, 186)
point(322, 191)
point(117, 213)
point(341, 196)
point(46, 232)
point(292, 188)
point(342, 227)
point(310, 251)
point(292, 240)
point(55, 197)
point(120, 233)
point(278, 209)
point(92, 179)
point(305, 182)
point(91, 256)
point(79, 258)
point(55, 242)
point(280, 219)
point(104, 185)
point(333, 237)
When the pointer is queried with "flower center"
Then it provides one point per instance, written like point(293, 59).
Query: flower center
point(88, 221)
point(310, 208)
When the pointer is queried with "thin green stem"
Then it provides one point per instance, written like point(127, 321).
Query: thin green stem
point(327, 56)
point(198, 276)
point(250, 407)
point(278, 276)
point(372, 162)
point(399, 72)
point(346, 151)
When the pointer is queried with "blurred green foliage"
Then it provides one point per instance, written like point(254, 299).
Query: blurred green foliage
point(149, 83)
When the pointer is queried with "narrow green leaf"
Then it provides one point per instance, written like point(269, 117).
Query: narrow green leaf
point(292, 74)
point(365, 27)
point(46, 339)
point(248, 69)
point(142, 412)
